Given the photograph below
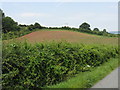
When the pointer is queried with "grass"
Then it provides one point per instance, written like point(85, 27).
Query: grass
point(88, 79)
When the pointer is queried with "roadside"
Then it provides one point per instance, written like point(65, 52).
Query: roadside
point(89, 79)
point(110, 81)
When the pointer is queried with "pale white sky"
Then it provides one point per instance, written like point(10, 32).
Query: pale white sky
point(97, 14)
point(59, 0)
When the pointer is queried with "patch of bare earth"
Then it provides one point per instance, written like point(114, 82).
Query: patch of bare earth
point(70, 36)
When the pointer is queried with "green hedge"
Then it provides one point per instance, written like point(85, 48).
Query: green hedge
point(29, 66)
point(16, 34)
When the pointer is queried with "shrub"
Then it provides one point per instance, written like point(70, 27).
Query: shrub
point(29, 66)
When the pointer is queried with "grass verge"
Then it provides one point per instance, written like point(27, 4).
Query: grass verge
point(88, 79)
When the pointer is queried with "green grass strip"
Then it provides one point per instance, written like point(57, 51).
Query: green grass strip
point(88, 79)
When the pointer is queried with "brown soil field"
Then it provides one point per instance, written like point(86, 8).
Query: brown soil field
point(69, 36)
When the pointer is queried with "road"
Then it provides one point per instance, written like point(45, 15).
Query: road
point(110, 81)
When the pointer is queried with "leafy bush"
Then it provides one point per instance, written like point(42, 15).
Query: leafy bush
point(29, 66)
point(15, 34)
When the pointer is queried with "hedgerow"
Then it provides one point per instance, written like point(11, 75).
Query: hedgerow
point(27, 66)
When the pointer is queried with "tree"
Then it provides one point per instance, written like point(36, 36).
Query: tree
point(66, 27)
point(8, 24)
point(37, 26)
point(105, 33)
point(96, 29)
point(22, 25)
point(85, 26)
point(31, 27)
point(104, 30)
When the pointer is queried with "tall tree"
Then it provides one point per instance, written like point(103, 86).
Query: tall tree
point(37, 25)
point(8, 24)
point(96, 29)
point(85, 26)
point(104, 30)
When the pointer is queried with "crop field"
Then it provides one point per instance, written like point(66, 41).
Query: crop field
point(28, 65)
point(69, 36)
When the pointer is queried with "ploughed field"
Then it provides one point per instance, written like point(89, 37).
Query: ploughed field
point(70, 36)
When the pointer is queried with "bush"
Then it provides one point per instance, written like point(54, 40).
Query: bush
point(29, 66)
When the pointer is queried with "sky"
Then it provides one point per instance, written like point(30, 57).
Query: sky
point(102, 15)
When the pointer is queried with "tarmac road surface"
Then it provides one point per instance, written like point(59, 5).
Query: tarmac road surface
point(110, 81)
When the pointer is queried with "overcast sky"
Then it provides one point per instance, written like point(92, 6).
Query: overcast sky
point(97, 14)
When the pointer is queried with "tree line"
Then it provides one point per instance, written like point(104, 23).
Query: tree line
point(10, 26)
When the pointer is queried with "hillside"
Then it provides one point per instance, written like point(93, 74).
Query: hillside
point(70, 36)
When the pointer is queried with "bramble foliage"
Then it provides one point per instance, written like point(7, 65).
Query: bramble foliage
point(27, 66)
